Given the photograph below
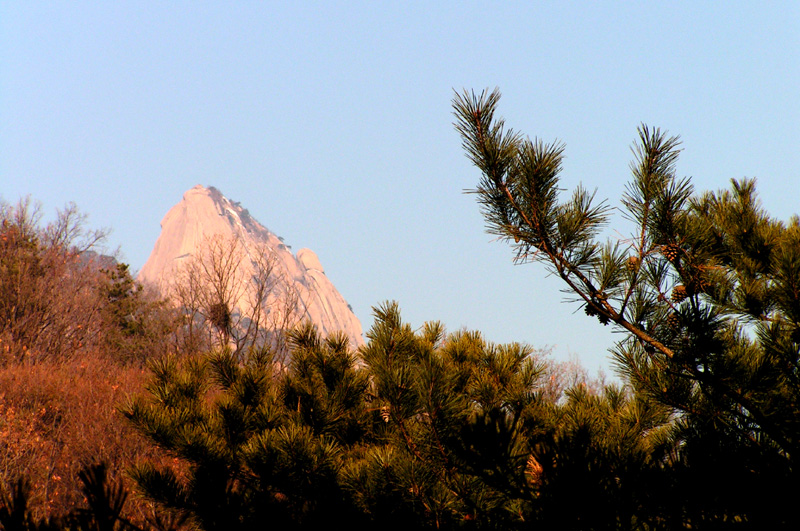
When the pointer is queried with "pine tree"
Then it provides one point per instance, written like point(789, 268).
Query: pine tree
point(254, 443)
point(134, 322)
point(456, 410)
point(422, 430)
point(474, 439)
point(598, 464)
point(705, 291)
point(324, 389)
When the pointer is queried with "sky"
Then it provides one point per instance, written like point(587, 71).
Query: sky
point(331, 123)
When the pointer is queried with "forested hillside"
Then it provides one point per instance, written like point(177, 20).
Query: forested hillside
point(121, 410)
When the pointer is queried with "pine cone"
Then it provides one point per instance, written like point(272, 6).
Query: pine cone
point(701, 284)
point(679, 293)
point(633, 263)
point(671, 252)
point(674, 321)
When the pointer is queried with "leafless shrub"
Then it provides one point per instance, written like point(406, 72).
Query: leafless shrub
point(235, 295)
point(48, 304)
point(563, 375)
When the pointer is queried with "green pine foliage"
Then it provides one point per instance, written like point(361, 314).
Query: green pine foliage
point(418, 429)
point(476, 441)
point(324, 389)
point(606, 449)
point(456, 408)
point(424, 429)
point(253, 441)
point(134, 322)
point(705, 291)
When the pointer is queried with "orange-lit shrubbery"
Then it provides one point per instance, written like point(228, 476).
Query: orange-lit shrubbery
point(75, 331)
point(57, 417)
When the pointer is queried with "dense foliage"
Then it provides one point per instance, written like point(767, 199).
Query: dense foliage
point(420, 428)
point(426, 430)
point(706, 291)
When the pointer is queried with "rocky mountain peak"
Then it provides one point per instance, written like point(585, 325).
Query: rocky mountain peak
point(206, 219)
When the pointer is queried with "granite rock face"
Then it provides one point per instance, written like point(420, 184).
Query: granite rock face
point(203, 214)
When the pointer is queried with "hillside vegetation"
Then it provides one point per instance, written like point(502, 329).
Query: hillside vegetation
point(121, 410)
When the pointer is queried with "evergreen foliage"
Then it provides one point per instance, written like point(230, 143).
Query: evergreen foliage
point(705, 291)
point(135, 324)
point(252, 444)
point(457, 408)
point(423, 429)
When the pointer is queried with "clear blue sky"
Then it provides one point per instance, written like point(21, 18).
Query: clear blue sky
point(331, 123)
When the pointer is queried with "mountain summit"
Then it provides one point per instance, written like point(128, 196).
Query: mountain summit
point(208, 234)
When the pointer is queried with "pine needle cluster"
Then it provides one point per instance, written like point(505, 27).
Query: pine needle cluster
point(419, 429)
point(705, 292)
